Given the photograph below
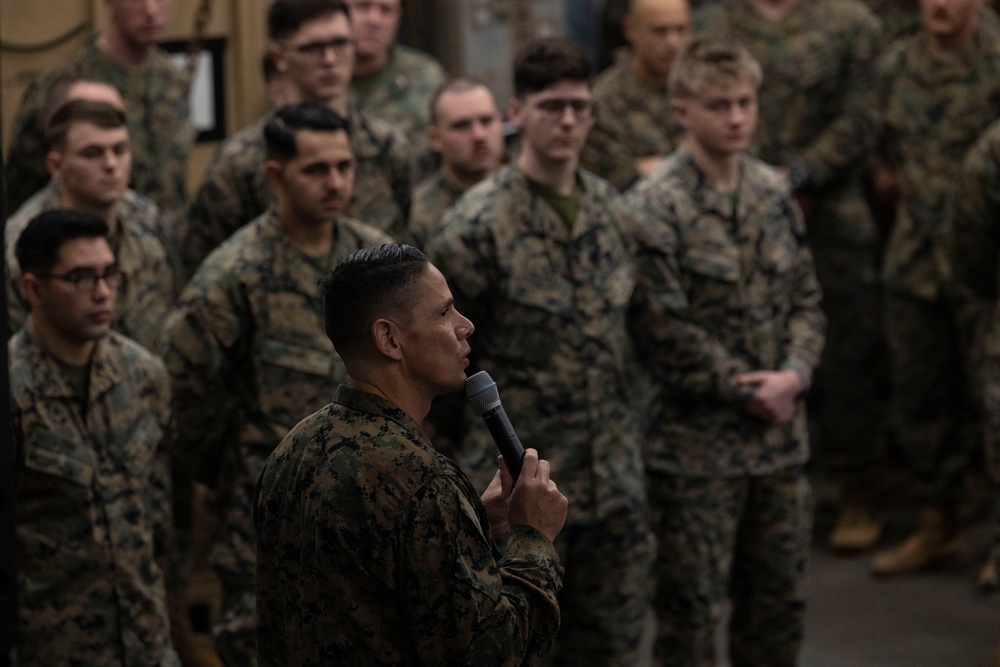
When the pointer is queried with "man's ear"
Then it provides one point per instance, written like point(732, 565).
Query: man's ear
point(29, 287)
point(514, 108)
point(434, 138)
point(275, 174)
point(53, 162)
point(628, 28)
point(278, 56)
point(680, 111)
point(385, 335)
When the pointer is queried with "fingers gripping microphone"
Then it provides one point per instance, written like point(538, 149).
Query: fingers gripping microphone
point(482, 393)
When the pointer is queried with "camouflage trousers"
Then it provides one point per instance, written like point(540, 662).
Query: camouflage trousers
point(933, 415)
point(606, 591)
point(849, 399)
point(991, 408)
point(741, 538)
point(235, 632)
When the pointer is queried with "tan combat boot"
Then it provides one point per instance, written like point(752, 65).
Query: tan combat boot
point(937, 543)
point(989, 578)
point(857, 528)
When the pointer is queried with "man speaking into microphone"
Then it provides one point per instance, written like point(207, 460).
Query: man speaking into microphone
point(373, 548)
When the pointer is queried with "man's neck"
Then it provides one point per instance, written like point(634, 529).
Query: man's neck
point(314, 239)
point(723, 171)
point(560, 176)
point(370, 63)
point(415, 404)
point(644, 74)
point(128, 55)
point(338, 103)
point(107, 213)
point(774, 10)
point(69, 351)
point(946, 47)
point(461, 181)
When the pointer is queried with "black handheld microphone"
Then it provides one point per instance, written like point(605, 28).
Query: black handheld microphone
point(482, 393)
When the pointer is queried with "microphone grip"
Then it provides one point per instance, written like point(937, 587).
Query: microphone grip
point(506, 439)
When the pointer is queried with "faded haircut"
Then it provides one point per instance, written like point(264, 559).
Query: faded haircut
point(369, 284)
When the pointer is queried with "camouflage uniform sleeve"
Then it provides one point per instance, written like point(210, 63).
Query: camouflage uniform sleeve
point(462, 610)
point(202, 336)
point(227, 199)
point(399, 171)
point(679, 351)
point(161, 491)
point(974, 252)
point(605, 153)
point(886, 70)
point(806, 322)
point(850, 137)
point(24, 171)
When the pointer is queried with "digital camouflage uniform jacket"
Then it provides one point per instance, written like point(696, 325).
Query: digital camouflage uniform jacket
point(374, 549)
point(550, 307)
point(635, 119)
point(93, 510)
point(933, 112)
point(431, 198)
point(248, 357)
point(146, 290)
point(400, 93)
point(160, 132)
point(235, 189)
point(724, 289)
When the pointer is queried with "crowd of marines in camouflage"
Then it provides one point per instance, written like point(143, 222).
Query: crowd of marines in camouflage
point(614, 319)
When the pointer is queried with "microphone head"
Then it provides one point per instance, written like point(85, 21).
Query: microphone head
point(481, 392)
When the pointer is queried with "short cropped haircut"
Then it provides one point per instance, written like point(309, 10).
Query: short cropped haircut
point(543, 62)
point(279, 132)
point(101, 114)
point(367, 285)
point(458, 84)
point(37, 249)
point(708, 62)
point(57, 94)
point(286, 16)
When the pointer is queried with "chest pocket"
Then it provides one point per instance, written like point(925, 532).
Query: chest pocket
point(293, 380)
point(56, 495)
point(46, 454)
point(537, 301)
point(811, 60)
point(137, 451)
point(717, 264)
point(711, 281)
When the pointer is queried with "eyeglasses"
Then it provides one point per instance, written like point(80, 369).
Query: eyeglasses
point(85, 280)
point(582, 109)
point(318, 49)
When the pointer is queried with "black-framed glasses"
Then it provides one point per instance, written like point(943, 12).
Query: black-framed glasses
point(555, 108)
point(85, 280)
point(318, 49)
